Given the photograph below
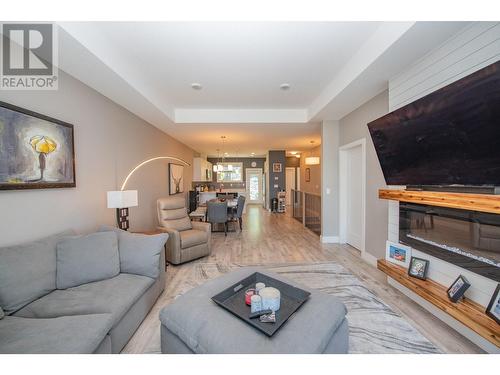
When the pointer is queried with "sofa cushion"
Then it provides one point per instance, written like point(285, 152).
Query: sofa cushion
point(139, 253)
point(193, 237)
point(85, 259)
point(205, 327)
point(69, 334)
point(114, 296)
point(28, 271)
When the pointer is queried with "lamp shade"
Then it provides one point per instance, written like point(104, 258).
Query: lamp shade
point(312, 160)
point(122, 198)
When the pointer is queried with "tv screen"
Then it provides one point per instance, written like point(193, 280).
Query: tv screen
point(449, 137)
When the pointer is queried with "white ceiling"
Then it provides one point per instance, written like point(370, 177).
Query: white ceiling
point(332, 67)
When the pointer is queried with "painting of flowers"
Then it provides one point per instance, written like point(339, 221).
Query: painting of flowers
point(176, 178)
point(36, 151)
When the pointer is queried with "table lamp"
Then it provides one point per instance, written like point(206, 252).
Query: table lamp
point(122, 200)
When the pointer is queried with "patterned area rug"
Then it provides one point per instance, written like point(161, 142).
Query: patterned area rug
point(373, 326)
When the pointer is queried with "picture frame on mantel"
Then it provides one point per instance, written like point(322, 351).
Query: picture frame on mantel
point(493, 309)
point(36, 151)
point(398, 253)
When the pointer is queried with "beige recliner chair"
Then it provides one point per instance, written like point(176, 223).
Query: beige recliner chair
point(186, 240)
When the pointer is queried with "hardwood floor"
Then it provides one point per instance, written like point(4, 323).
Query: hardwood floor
point(278, 238)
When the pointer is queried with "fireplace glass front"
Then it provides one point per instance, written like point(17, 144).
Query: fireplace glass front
point(467, 239)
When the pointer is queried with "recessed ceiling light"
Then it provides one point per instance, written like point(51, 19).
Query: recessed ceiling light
point(285, 86)
point(293, 152)
point(196, 86)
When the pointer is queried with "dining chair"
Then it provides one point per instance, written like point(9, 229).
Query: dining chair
point(238, 213)
point(217, 214)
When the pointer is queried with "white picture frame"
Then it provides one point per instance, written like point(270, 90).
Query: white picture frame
point(398, 253)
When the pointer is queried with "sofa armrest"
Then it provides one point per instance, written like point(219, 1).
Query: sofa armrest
point(173, 250)
point(206, 227)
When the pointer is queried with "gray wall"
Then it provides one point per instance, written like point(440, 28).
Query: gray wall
point(109, 142)
point(329, 181)
point(354, 127)
point(276, 178)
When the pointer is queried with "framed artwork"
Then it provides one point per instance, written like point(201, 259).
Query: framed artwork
point(308, 174)
point(418, 268)
point(36, 151)
point(398, 253)
point(458, 288)
point(276, 167)
point(175, 178)
point(493, 309)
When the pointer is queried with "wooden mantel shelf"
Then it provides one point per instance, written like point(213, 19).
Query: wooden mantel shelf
point(467, 312)
point(474, 202)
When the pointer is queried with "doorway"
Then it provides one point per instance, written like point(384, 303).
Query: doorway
point(352, 160)
point(290, 178)
point(254, 185)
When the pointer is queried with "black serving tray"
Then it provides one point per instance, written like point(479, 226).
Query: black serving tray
point(233, 300)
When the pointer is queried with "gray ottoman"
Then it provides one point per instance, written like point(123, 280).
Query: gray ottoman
point(193, 323)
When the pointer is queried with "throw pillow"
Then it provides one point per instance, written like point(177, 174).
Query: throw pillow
point(139, 253)
point(28, 271)
point(84, 259)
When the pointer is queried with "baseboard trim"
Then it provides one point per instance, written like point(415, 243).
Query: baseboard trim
point(329, 239)
point(370, 259)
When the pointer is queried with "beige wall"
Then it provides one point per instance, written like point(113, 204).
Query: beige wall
point(353, 127)
point(109, 141)
point(314, 186)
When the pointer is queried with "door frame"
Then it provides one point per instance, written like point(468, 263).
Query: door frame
point(248, 186)
point(294, 182)
point(344, 191)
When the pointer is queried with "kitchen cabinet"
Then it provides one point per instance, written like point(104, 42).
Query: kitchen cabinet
point(202, 170)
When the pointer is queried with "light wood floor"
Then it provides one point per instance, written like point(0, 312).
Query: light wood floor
point(278, 238)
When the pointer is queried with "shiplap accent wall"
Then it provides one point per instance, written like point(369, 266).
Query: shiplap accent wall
point(473, 48)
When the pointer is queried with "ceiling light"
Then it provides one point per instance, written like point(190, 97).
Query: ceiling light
point(293, 152)
point(312, 160)
point(196, 86)
point(285, 86)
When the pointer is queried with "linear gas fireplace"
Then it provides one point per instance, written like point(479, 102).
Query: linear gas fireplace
point(467, 239)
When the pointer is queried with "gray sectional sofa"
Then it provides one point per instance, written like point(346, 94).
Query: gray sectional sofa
point(78, 294)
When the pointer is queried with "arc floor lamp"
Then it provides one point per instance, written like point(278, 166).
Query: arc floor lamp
point(123, 199)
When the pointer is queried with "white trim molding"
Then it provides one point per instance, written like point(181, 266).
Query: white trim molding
point(343, 189)
point(329, 239)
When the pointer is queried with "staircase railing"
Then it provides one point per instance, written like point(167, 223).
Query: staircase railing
point(306, 208)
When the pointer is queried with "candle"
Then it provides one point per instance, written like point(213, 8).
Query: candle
point(259, 286)
point(256, 303)
point(248, 295)
point(270, 298)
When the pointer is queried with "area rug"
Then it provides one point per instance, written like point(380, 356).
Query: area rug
point(373, 326)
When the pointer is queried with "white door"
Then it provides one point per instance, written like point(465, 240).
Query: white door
point(254, 185)
point(354, 197)
point(290, 184)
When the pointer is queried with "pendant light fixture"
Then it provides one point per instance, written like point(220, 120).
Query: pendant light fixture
point(219, 167)
point(312, 160)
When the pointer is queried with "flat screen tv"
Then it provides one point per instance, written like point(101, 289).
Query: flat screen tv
point(449, 137)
